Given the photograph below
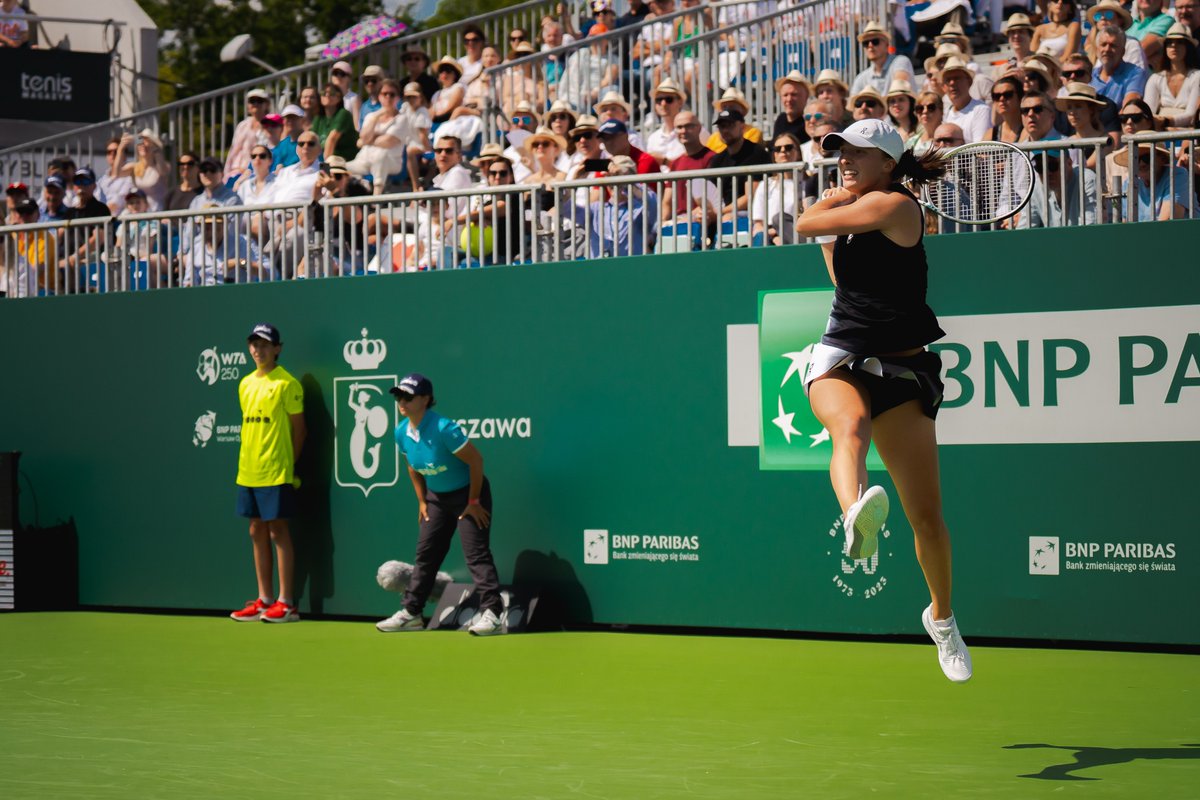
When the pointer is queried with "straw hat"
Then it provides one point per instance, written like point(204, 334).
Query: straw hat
point(869, 92)
point(490, 152)
point(952, 33)
point(447, 61)
point(524, 107)
point(873, 29)
point(543, 134)
point(793, 77)
point(944, 51)
point(830, 76)
point(1111, 9)
point(416, 50)
point(585, 123)
point(1047, 57)
point(613, 99)
point(1078, 91)
point(900, 88)
point(413, 89)
point(151, 137)
point(1179, 32)
point(1018, 22)
point(524, 49)
point(735, 96)
point(563, 107)
point(1033, 65)
point(669, 86)
point(1162, 156)
point(956, 64)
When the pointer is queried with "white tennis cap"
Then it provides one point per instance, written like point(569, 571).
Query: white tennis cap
point(868, 133)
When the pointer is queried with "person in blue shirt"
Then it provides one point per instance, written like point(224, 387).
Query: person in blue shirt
point(452, 495)
point(1113, 77)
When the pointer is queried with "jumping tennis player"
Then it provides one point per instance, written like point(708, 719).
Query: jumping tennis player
point(272, 434)
point(870, 377)
point(452, 495)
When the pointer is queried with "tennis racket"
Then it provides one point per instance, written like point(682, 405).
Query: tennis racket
point(985, 182)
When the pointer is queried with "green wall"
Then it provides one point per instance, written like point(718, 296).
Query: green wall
point(618, 369)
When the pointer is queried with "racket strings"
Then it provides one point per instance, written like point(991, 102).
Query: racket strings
point(982, 184)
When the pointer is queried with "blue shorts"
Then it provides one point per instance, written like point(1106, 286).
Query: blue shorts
point(266, 502)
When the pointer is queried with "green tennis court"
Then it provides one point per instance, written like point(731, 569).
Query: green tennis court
point(133, 706)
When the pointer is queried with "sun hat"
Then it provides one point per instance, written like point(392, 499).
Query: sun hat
point(830, 76)
point(1078, 91)
point(873, 29)
point(734, 96)
point(793, 77)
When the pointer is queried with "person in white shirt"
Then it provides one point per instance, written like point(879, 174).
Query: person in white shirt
point(294, 184)
point(773, 207)
point(973, 116)
point(884, 67)
point(385, 137)
point(664, 142)
point(472, 62)
point(438, 218)
point(113, 189)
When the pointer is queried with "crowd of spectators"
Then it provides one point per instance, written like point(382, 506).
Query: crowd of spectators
point(567, 114)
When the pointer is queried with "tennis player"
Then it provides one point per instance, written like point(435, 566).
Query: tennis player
point(452, 495)
point(870, 377)
point(272, 434)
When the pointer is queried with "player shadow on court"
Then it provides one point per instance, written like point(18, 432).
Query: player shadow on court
point(562, 599)
point(1088, 757)
point(312, 529)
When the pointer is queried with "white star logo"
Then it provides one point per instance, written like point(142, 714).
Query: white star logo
point(784, 423)
point(817, 438)
point(799, 364)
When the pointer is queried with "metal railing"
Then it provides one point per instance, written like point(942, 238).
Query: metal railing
point(581, 219)
point(204, 123)
point(752, 54)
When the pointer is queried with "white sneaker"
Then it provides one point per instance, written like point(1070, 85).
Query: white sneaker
point(863, 522)
point(953, 655)
point(401, 621)
point(486, 624)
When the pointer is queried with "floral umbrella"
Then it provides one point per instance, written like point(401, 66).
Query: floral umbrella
point(365, 33)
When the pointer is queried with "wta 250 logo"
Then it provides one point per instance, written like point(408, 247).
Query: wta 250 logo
point(364, 416)
point(213, 365)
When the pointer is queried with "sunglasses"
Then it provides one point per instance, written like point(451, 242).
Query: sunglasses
point(403, 398)
point(388, 94)
point(1078, 74)
point(579, 137)
point(187, 163)
point(784, 148)
point(522, 120)
point(1132, 118)
point(998, 96)
point(337, 73)
point(947, 141)
point(926, 108)
point(872, 42)
point(665, 98)
point(307, 143)
point(261, 156)
point(371, 79)
point(444, 150)
point(867, 104)
point(516, 38)
point(256, 101)
point(498, 173)
point(210, 170)
point(1033, 110)
point(413, 57)
point(1106, 14)
point(111, 152)
point(472, 39)
point(817, 117)
point(538, 145)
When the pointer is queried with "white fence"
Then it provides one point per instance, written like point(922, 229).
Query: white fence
point(742, 207)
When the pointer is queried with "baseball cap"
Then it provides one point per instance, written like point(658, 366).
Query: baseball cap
point(600, 6)
point(15, 188)
point(413, 384)
point(412, 88)
point(344, 66)
point(272, 119)
point(27, 208)
point(84, 175)
point(210, 164)
point(613, 126)
point(55, 180)
point(257, 94)
point(373, 71)
point(264, 330)
point(291, 110)
point(337, 165)
point(868, 133)
point(135, 192)
point(730, 115)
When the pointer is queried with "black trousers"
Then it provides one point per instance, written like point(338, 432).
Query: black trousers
point(444, 509)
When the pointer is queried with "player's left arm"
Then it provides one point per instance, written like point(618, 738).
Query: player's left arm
point(841, 213)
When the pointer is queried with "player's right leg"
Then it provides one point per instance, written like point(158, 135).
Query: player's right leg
point(260, 538)
point(842, 405)
point(433, 542)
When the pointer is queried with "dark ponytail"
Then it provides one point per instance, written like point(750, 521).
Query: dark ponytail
point(920, 170)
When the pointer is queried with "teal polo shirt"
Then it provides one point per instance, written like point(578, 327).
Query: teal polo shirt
point(1158, 25)
point(431, 451)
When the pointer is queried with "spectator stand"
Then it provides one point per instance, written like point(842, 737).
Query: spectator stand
point(204, 123)
point(574, 220)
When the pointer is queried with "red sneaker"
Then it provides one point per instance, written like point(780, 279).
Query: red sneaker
point(253, 611)
point(281, 612)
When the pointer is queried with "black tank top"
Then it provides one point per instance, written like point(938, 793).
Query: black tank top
point(879, 305)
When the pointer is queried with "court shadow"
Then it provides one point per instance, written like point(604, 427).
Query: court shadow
point(562, 599)
point(1088, 757)
point(312, 530)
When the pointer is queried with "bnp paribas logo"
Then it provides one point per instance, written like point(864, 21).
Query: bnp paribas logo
point(790, 324)
point(364, 416)
point(1043, 555)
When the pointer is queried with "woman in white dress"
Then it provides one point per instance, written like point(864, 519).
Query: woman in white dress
point(383, 141)
point(1174, 93)
point(1061, 34)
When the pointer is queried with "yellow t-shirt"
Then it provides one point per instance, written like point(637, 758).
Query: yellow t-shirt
point(266, 457)
point(717, 144)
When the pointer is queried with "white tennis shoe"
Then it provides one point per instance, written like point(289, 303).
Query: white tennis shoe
point(863, 522)
point(401, 621)
point(953, 656)
point(486, 624)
